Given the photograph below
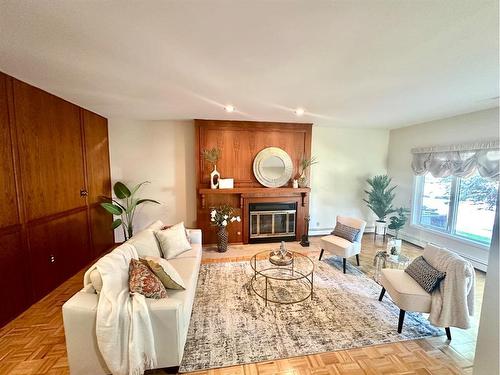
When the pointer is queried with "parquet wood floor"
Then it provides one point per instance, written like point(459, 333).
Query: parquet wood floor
point(34, 343)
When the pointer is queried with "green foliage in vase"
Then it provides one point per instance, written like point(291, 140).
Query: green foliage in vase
point(124, 206)
point(307, 163)
point(212, 155)
point(380, 196)
point(399, 221)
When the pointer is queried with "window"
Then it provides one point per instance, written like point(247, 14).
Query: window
point(460, 207)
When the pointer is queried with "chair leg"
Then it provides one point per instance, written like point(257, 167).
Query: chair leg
point(382, 292)
point(448, 333)
point(357, 259)
point(321, 254)
point(401, 320)
point(343, 263)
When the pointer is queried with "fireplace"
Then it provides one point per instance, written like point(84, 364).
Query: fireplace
point(272, 221)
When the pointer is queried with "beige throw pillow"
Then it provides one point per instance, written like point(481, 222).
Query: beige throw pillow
point(173, 240)
point(167, 274)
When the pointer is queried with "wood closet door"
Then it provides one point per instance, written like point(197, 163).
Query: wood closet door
point(50, 151)
point(98, 180)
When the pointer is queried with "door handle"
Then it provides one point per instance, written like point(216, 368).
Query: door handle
point(83, 193)
point(52, 258)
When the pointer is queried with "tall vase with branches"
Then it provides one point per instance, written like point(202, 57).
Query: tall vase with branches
point(304, 165)
point(380, 197)
point(125, 205)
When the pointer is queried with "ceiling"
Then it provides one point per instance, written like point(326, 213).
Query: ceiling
point(348, 63)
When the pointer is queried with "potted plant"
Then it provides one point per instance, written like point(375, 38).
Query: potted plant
point(397, 222)
point(213, 156)
point(380, 199)
point(221, 217)
point(124, 206)
point(304, 164)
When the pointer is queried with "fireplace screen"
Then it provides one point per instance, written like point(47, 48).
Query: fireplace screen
point(269, 220)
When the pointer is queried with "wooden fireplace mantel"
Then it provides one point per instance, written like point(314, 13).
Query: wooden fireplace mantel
point(263, 192)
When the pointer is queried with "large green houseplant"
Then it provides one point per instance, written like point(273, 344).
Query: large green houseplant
point(380, 197)
point(124, 205)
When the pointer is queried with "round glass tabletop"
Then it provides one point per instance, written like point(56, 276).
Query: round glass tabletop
point(300, 267)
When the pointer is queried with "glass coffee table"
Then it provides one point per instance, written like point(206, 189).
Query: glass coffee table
point(286, 284)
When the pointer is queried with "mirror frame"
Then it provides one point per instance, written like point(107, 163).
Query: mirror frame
point(272, 182)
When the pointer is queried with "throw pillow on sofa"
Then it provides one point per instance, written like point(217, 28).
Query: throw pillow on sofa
point(145, 243)
point(424, 274)
point(345, 232)
point(173, 241)
point(167, 274)
point(143, 281)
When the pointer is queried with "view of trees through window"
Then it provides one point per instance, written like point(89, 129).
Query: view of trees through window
point(463, 207)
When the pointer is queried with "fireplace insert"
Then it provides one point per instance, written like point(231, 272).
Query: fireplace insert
point(271, 222)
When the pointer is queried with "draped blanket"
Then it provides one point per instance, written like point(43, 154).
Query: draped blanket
point(123, 325)
point(452, 303)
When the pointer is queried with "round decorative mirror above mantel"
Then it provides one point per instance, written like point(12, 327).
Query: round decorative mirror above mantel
point(273, 167)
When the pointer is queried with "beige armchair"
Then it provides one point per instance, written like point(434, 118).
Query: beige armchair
point(342, 247)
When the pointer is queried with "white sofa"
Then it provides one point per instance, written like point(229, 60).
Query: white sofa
point(170, 316)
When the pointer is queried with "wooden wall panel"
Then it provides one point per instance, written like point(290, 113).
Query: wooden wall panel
point(51, 161)
point(98, 180)
point(241, 141)
point(15, 293)
point(59, 248)
point(8, 195)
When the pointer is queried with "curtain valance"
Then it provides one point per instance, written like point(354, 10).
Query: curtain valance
point(458, 160)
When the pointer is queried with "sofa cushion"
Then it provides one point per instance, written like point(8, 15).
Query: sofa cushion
point(155, 225)
point(167, 274)
point(173, 241)
point(404, 291)
point(96, 280)
point(424, 274)
point(143, 281)
point(145, 244)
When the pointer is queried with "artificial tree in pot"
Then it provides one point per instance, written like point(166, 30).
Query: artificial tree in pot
point(397, 222)
point(380, 199)
point(125, 205)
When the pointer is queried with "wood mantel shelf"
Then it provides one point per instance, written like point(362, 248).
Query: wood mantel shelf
point(256, 192)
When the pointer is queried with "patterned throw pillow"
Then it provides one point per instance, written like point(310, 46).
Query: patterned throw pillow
point(424, 274)
point(345, 231)
point(167, 274)
point(142, 280)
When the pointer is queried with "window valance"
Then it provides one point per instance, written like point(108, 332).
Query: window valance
point(458, 160)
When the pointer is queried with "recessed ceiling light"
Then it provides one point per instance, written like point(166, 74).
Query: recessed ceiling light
point(229, 108)
point(299, 111)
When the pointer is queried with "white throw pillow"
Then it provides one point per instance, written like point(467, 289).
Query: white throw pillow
point(171, 274)
point(145, 243)
point(173, 240)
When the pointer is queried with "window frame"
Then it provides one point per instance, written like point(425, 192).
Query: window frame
point(450, 231)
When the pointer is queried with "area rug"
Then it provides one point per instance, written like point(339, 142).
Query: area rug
point(230, 325)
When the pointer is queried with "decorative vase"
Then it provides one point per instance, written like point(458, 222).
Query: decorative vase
point(302, 180)
point(380, 227)
point(295, 184)
point(214, 178)
point(222, 240)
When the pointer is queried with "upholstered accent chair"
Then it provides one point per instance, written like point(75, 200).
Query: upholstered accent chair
point(340, 246)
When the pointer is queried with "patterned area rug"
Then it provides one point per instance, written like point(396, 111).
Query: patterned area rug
point(230, 325)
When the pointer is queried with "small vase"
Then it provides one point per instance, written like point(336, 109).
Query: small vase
point(222, 239)
point(303, 181)
point(214, 178)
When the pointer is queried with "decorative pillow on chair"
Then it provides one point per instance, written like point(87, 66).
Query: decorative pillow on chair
point(345, 231)
point(173, 241)
point(167, 274)
point(424, 274)
point(142, 280)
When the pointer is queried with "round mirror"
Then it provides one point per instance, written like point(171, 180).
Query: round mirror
point(272, 167)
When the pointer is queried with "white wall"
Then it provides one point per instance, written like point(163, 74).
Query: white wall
point(460, 129)
point(161, 152)
point(347, 157)
point(486, 361)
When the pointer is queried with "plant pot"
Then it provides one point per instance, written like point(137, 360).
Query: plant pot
point(380, 227)
point(222, 240)
point(303, 180)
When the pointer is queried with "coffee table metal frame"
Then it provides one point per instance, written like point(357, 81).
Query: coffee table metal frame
point(295, 275)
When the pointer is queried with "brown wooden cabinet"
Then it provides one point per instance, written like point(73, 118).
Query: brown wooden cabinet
point(54, 167)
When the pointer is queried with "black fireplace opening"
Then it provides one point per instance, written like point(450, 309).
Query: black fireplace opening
point(272, 222)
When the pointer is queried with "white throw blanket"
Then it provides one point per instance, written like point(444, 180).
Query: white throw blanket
point(452, 303)
point(123, 325)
